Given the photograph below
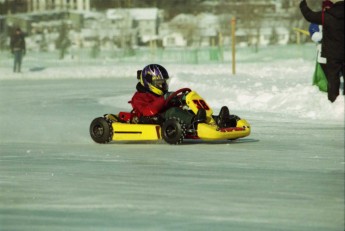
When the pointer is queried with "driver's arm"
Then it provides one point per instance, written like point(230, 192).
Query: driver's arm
point(147, 105)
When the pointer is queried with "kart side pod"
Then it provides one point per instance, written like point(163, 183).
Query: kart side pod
point(104, 130)
point(211, 132)
point(124, 131)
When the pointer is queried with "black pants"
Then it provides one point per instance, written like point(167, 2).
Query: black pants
point(184, 115)
point(334, 69)
point(18, 57)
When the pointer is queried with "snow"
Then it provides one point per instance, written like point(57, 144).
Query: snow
point(287, 175)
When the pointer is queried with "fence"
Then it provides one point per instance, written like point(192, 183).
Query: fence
point(159, 55)
point(172, 55)
point(198, 55)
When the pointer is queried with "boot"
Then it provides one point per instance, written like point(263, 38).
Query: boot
point(223, 117)
point(200, 116)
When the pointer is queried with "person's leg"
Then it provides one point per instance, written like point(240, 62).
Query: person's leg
point(20, 58)
point(333, 68)
point(343, 74)
point(15, 54)
point(184, 115)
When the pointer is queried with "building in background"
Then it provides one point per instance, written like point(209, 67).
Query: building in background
point(259, 22)
point(138, 26)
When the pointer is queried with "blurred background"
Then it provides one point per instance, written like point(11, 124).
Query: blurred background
point(181, 31)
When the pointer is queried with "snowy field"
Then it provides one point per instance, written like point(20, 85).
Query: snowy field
point(287, 175)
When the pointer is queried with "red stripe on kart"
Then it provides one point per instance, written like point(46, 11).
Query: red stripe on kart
point(192, 137)
point(231, 129)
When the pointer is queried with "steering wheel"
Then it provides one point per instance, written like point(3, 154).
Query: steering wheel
point(178, 95)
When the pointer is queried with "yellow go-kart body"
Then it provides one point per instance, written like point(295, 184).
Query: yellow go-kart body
point(209, 130)
point(124, 131)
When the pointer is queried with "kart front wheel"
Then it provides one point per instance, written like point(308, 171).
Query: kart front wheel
point(173, 131)
point(101, 130)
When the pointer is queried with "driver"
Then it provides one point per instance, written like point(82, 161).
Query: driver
point(149, 101)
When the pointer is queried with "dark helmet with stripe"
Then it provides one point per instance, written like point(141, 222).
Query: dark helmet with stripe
point(154, 78)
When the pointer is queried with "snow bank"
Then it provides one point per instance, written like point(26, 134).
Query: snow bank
point(284, 87)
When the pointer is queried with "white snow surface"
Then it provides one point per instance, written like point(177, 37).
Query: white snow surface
point(287, 175)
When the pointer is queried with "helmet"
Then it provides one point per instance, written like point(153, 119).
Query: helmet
point(153, 77)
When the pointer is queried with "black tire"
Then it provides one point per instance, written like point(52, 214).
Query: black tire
point(101, 130)
point(173, 131)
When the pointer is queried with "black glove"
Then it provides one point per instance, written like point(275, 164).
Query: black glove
point(166, 95)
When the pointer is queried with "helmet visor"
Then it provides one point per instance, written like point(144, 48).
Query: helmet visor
point(159, 83)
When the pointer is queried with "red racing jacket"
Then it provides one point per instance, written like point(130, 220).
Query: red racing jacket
point(147, 104)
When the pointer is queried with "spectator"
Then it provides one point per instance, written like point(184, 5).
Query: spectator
point(18, 49)
point(319, 77)
point(331, 17)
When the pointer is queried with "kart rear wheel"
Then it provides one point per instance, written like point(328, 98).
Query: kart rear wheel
point(101, 130)
point(173, 131)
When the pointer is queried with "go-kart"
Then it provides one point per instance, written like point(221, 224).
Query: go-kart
point(126, 126)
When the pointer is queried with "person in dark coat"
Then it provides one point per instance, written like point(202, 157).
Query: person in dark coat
point(18, 49)
point(332, 20)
